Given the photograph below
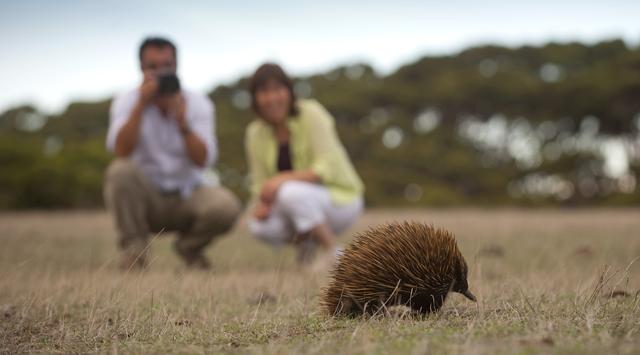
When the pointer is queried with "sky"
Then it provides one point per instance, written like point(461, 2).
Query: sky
point(56, 52)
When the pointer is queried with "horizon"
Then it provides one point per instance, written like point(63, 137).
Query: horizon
point(304, 38)
point(232, 81)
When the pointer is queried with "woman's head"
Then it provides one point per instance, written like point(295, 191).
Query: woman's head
point(272, 94)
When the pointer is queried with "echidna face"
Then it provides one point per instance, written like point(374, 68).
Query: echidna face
point(460, 284)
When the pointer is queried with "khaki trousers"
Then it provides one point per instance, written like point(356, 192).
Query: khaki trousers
point(140, 209)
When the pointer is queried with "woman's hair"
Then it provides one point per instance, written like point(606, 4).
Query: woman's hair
point(265, 73)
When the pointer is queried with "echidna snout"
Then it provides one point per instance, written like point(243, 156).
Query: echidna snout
point(466, 293)
point(460, 284)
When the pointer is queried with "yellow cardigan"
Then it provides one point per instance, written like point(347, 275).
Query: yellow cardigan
point(314, 145)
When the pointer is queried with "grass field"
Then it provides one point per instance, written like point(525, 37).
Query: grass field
point(548, 281)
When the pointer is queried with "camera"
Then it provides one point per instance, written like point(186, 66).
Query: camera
point(168, 84)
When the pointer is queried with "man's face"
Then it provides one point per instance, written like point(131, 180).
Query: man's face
point(157, 60)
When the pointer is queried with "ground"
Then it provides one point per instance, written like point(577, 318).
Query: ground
point(547, 281)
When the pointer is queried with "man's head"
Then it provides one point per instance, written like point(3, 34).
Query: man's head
point(157, 55)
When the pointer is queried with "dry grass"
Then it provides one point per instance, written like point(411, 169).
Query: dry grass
point(547, 281)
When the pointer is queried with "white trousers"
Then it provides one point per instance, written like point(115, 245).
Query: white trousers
point(299, 207)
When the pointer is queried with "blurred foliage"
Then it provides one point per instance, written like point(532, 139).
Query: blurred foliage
point(487, 126)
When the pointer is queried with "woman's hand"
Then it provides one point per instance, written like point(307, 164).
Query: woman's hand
point(262, 211)
point(270, 188)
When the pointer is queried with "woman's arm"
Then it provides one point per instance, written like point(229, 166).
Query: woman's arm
point(325, 145)
point(257, 174)
point(257, 169)
point(270, 187)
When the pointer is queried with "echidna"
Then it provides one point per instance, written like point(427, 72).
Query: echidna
point(412, 264)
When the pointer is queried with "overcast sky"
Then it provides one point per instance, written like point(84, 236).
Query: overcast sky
point(54, 52)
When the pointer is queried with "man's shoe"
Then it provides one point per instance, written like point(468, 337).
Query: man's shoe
point(198, 262)
point(193, 260)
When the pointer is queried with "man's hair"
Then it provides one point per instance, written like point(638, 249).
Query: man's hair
point(268, 72)
point(158, 42)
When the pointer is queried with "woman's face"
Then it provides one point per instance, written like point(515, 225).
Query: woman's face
point(273, 102)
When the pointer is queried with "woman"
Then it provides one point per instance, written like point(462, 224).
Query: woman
point(304, 187)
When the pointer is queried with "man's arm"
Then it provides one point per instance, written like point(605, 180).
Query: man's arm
point(127, 137)
point(196, 147)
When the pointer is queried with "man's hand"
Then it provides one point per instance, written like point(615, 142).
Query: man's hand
point(148, 89)
point(270, 188)
point(178, 109)
point(196, 148)
point(261, 211)
point(127, 137)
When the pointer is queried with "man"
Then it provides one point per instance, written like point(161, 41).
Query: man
point(163, 139)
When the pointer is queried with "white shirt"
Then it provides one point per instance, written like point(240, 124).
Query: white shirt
point(161, 152)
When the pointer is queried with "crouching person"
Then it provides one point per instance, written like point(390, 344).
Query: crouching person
point(305, 189)
point(163, 140)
